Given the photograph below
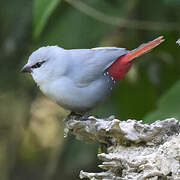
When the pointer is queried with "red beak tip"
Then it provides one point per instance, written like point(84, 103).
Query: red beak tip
point(26, 69)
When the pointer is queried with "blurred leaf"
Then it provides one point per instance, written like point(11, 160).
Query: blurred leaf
point(42, 10)
point(172, 2)
point(168, 105)
point(68, 27)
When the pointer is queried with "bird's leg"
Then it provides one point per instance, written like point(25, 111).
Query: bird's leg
point(82, 116)
point(69, 116)
point(77, 115)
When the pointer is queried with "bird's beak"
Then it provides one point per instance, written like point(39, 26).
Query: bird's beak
point(26, 69)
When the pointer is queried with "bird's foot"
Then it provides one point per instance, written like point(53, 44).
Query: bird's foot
point(77, 116)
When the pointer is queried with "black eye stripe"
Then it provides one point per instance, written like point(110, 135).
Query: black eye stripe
point(37, 65)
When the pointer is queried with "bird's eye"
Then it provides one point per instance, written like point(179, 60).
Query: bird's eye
point(38, 64)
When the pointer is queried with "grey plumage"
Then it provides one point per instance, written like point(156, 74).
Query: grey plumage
point(76, 78)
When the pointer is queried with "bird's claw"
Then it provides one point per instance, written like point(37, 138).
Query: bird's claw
point(76, 116)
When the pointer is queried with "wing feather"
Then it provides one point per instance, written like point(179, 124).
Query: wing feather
point(89, 64)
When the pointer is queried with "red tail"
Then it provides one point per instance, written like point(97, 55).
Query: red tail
point(122, 65)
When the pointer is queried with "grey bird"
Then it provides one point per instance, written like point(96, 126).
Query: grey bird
point(77, 79)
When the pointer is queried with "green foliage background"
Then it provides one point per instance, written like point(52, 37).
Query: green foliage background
point(31, 133)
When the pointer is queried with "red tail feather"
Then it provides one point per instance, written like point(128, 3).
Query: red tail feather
point(122, 65)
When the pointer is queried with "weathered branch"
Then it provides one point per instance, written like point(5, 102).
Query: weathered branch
point(133, 150)
point(178, 41)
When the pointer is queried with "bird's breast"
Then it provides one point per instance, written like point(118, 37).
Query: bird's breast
point(67, 94)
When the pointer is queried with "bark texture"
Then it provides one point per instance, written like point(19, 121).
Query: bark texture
point(132, 150)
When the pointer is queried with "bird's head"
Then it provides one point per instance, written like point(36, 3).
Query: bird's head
point(45, 64)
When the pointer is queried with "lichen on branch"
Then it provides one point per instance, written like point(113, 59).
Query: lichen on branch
point(134, 150)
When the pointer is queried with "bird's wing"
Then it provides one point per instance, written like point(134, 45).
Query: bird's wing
point(89, 64)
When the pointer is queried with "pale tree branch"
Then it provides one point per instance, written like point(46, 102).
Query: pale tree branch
point(132, 150)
